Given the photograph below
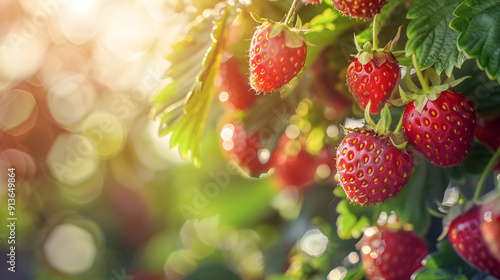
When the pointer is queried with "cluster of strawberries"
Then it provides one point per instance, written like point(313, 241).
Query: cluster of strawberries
point(372, 162)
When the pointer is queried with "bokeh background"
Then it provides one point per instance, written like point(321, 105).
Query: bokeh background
point(99, 195)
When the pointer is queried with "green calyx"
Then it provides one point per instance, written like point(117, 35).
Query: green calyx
point(294, 36)
point(420, 96)
point(382, 127)
point(371, 52)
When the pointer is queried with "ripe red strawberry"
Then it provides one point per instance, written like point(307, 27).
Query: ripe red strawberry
point(489, 215)
point(391, 254)
point(277, 54)
point(488, 132)
point(373, 80)
point(370, 168)
point(444, 130)
point(293, 165)
point(359, 9)
point(234, 86)
point(245, 150)
point(313, 2)
point(475, 235)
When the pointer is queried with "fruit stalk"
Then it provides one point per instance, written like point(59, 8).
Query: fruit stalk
point(291, 12)
point(488, 169)
point(375, 32)
point(421, 78)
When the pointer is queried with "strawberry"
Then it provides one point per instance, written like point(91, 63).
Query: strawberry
point(373, 74)
point(489, 215)
point(370, 168)
point(475, 235)
point(293, 165)
point(488, 132)
point(391, 254)
point(373, 80)
point(277, 55)
point(359, 9)
point(313, 2)
point(444, 129)
point(234, 87)
point(245, 150)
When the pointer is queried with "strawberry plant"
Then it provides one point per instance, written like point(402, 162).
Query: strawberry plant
point(285, 140)
point(315, 119)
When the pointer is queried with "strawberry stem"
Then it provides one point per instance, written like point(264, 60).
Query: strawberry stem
point(375, 32)
point(486, 171)
point(289, 16)
point(421, 78)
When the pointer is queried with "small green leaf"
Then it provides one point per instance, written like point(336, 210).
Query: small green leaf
point(477, 22)
point(276, 29)
point(410, 85)
point(293, 39)
point(385, 121)
point(257, 18)
point(365, 57)
point(356, 43)
point(404, 97)
point(298, 23)
point(353, 219)
point(431, 38)
point(431, 75)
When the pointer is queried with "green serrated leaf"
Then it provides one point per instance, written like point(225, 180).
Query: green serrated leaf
point(431, 38)
point(183, 104)
point(477, 23)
